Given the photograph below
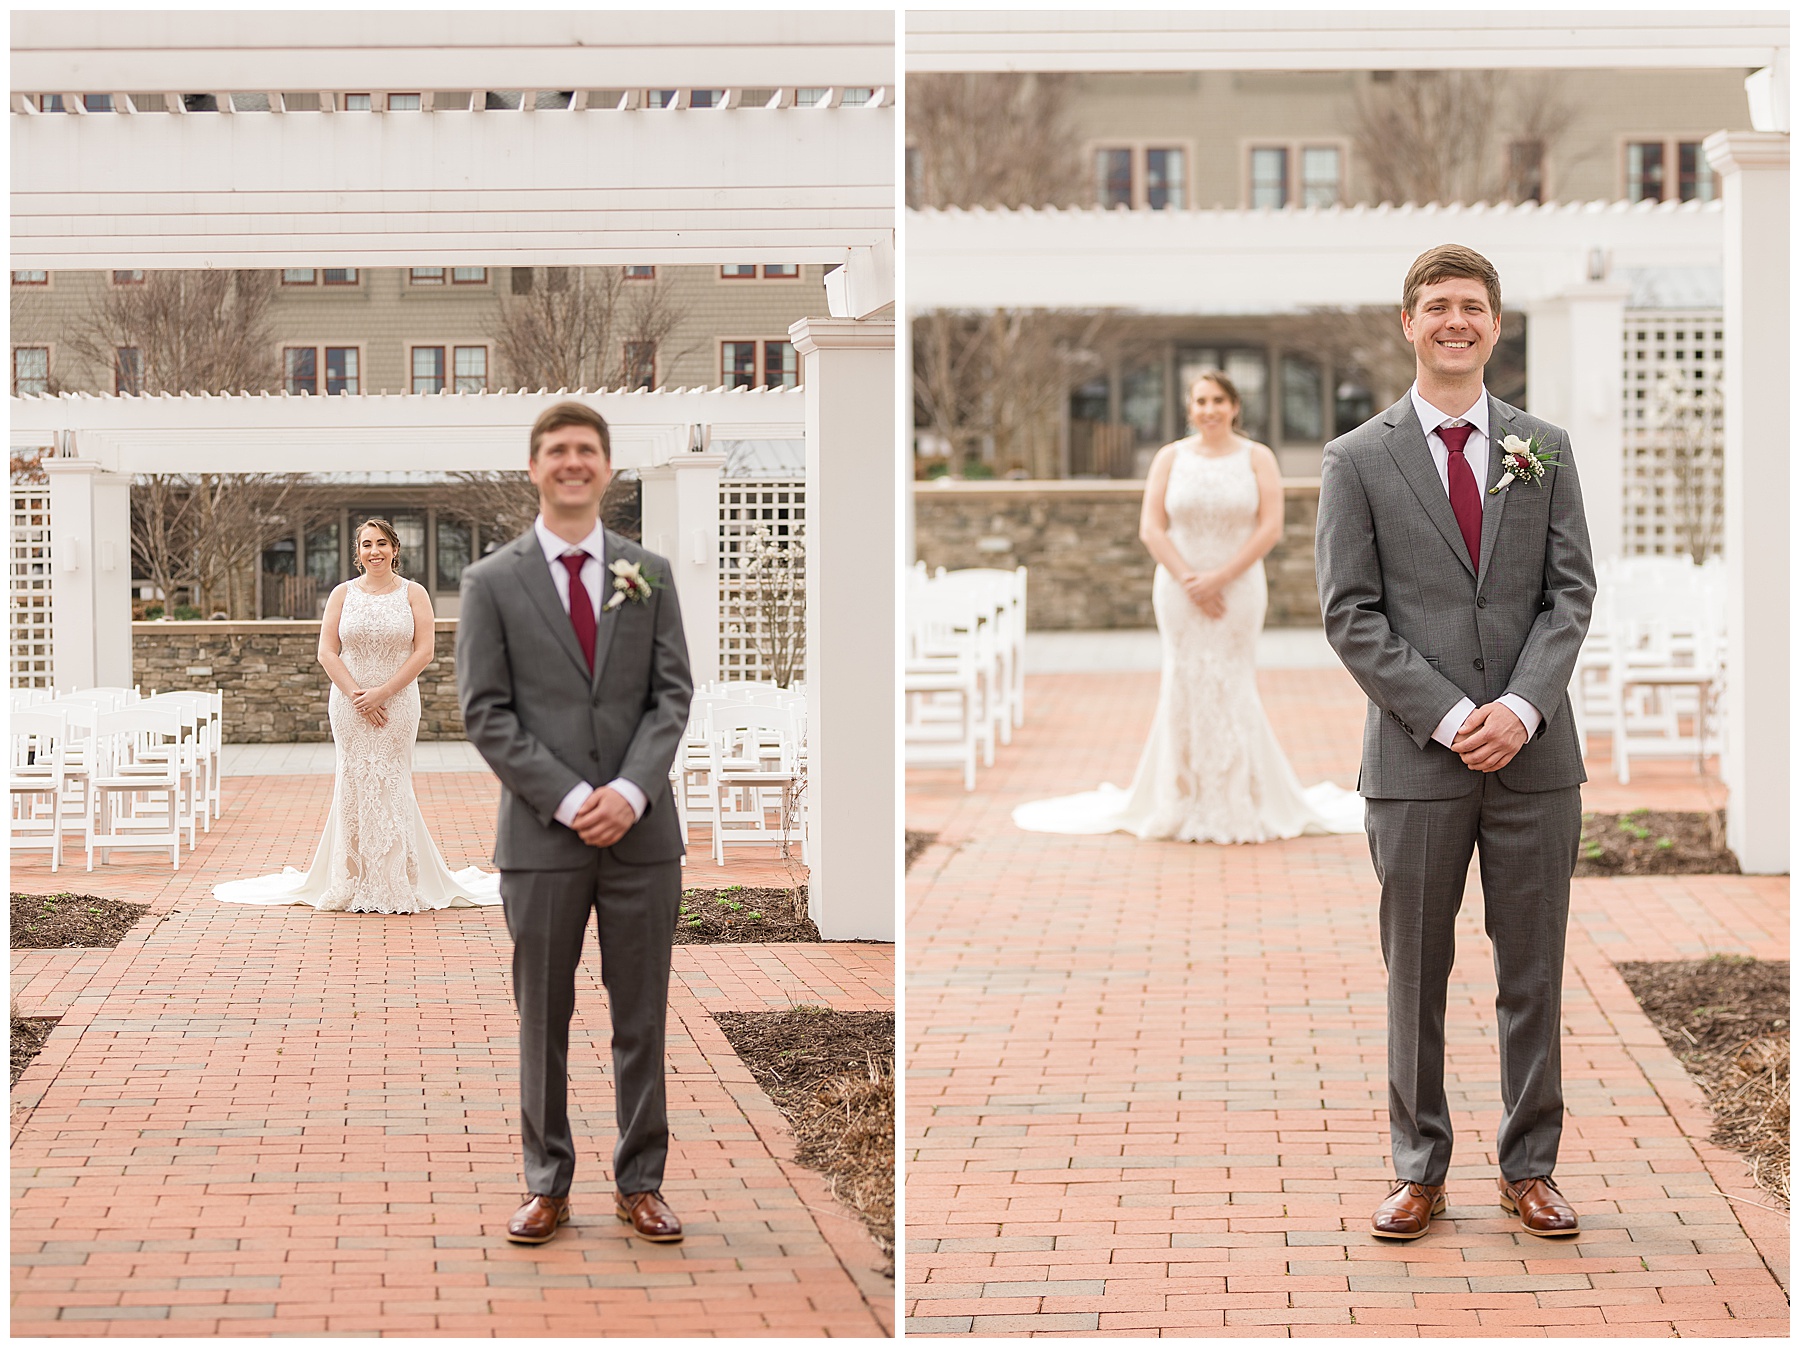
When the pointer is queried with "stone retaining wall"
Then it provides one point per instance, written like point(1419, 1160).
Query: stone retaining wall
point(275, 691)
point(1069, 533)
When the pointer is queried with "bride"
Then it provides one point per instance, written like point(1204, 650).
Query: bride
point(375, 855)
point(1212, 770)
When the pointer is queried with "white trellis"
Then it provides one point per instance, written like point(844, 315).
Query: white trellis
point(745, 505)
point(28, 588)
point(1684, 350)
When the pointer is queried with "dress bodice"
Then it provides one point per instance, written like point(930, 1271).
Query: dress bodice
point(375, 633)
point(1211, 503)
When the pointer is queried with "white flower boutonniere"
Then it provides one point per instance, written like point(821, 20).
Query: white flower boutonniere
point(1525, 461)
point(629, 583)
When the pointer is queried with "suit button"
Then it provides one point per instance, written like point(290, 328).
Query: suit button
point(1480, 665)
point(1480, 601)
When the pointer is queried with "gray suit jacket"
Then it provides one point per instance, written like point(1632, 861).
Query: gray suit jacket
point(1418, 629)
point(543, 724)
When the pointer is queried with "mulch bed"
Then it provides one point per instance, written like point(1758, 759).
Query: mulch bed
point(1655, 842)
point(1726, 1019)
point(742, 913)
point(916, 843)
point(832, 1074)
point(28, 1036)
point(59, 921)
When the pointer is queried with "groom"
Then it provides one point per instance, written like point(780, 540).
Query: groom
point(1459, 604)
point(572, 670)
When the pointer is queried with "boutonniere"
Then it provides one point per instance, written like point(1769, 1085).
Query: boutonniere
point(629, 583)
point(1525, 460)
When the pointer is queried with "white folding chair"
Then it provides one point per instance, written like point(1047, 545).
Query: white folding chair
point(753, 775)
point(35, 770)
point(138, 762)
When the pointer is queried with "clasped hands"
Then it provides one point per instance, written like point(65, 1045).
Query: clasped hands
point(371, 705)
point(1207, 591)
point(1490, 738)
point(603, 817)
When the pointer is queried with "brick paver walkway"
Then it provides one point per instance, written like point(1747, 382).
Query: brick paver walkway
point(1146, 1089)
point(276, 1121)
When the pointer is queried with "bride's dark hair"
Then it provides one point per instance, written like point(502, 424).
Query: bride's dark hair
point(1226, 387)
point(387, 532)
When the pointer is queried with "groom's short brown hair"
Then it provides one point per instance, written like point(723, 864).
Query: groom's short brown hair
point(570, 414)
point(1449, 261)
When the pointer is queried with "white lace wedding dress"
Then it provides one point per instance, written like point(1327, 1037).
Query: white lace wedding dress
point(1212, 770)
point(376, 855)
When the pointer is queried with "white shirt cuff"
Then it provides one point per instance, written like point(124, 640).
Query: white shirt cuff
point(1452, 722)
point(577, 797)
point(1528, 715)
point(634, 797)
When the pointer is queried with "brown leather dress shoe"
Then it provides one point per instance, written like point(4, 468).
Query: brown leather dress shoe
point(1406, 1213)
point(537, 1221)
point(1540, 1207)
point(649, 1216)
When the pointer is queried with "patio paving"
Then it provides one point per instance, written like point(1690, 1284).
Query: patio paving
point(1146, 1087)
point(278, 1121)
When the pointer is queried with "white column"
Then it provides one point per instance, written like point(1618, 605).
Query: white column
point(852, 476)
point(1574, 368)
point(1753, 172)
point(681, 522)
point(90, 587)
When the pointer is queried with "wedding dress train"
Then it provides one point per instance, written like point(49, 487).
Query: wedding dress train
point(1212, 770)
point(375, 854)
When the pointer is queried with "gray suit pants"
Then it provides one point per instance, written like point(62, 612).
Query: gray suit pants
point(547, 913)
point(1421, 850)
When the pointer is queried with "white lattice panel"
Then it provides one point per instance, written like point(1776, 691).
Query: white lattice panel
point(29, 588)
point(1685, 347)
point(744, 504)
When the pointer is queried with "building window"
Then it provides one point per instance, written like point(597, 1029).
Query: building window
point(1302, 400)
point(468, 276)
point(706, 98)
point(341, 366)
point(1165, 179)
point(1112, 177)
point(340, 276)
point(738, 271)
point(811, 96)
point(358, 103)
point(1525, 170)
point(1321, 175)
point(639, 273)
point(300, 369)
point(521, 280)
point(50, 103)
point(1269, 177)
point(31, 369)
point(427, 276)
point(298, 276)
point(97, 102)
point(1693, 173)
point(31, 278)
point(403, 103)
point(557, 278)
point(640, 365)
point(128, 370)
point(781, 365)
point(856, 98)
point(128, 278)
point(471, 369)
point(770, 363)
point(659, 98)
point(1644, 170)
point(778, 271)
point(428, 369)
point(453, 549)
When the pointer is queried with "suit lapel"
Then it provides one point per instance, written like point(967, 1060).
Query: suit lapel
point(1495, 504)
point(609, 617)
point(534, 576)
point(1405, 441)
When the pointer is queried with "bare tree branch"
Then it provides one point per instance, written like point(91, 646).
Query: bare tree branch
point(570, 330)
point(196, 331)
point(992, 140)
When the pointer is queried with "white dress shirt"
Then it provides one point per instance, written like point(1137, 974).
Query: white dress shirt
point(591, 571)
point(1478, 451)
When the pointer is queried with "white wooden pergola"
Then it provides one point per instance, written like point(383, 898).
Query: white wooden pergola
point(1559, 264)
point(271, 181)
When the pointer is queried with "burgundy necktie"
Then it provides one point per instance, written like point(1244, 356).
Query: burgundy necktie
point(581, 608)
point(1465, 496)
